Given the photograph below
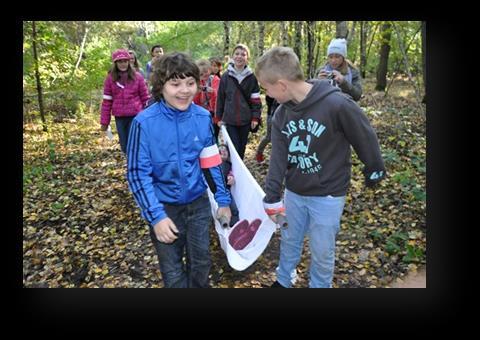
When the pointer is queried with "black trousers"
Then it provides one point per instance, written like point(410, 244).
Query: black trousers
point(239, 137)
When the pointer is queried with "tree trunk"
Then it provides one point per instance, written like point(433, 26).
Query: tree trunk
point(342, 29)
point(240, 27)
point(251, 33)
point(261, 37)
point(291, 30)
point(382, 69)
point(363, 49)
point(284, 30)
point(351, 37)
point(374, 32)
point(424, 57)
point(80, 54)
point(310, 48)
point(398, 63)
point(407, 67)
point(298, 40)
point(317, 52)
point(37, 76)
point(226, 38)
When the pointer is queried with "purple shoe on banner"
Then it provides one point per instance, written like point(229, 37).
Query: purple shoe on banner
point(243, 233)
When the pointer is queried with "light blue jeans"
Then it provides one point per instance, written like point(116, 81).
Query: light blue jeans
point(319, 218)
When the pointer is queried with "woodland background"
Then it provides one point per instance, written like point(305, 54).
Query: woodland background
point(81, 227)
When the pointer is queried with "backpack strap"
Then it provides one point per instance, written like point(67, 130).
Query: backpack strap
point(247, 99)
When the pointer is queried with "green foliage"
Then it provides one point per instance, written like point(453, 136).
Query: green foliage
point(201, 39)
point(33, 172)
point(394, 242)
point(419, 194)
point(405, 177)
point(51, 151)
point(73, 91)
point(390, 156)
point(398, 243)
point(376, 235)
point(414, 254)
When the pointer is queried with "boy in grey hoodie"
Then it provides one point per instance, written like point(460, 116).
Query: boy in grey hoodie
point(312, 132)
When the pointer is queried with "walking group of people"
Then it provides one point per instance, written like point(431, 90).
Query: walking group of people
point(168, 128)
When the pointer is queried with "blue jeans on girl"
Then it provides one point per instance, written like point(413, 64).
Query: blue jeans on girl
point(123, 129)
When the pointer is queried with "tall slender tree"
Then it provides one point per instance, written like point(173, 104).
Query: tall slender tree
point(226, 37)
point(37, 76)
point(382, 69)
point(261, 37)
point(350, 39)
point(310, 48)
point(298, 39)
point(284, 35)
point(80, 53)
point(363, 45)
point(403, 51)
point(424, 56)
point(372, 37)
point(317, 47)
point(341, 29)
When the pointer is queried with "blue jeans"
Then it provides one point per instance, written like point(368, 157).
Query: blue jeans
point(319, 218)
point(193, 221)
point(123, 129)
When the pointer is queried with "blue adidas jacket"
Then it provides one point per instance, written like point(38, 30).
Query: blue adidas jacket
point(167, 150)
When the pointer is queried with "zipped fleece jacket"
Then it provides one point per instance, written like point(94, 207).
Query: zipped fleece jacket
point(167, 151)
point(232, 108)
point(123, 99)
point(311, 145)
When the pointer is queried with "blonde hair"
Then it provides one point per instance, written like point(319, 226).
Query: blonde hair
point(203, 65)
point(242, 47)
point(279, 63)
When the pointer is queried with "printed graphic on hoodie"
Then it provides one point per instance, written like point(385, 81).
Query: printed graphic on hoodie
point(301, 134)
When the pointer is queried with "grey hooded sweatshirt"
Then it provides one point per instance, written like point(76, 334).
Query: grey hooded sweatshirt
point(311, 145)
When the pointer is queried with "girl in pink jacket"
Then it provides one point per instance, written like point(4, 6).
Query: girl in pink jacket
point(124, 95)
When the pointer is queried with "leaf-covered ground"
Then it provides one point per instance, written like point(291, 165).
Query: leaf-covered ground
point(81, 227)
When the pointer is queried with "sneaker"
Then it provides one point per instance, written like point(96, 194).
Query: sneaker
point(276, 284)
point(260, 158)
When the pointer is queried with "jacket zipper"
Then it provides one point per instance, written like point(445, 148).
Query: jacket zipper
point(182, 193)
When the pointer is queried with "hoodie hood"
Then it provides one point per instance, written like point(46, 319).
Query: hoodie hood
point(239, 75)
point(320, 90)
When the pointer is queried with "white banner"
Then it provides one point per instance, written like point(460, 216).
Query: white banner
point(248, 196)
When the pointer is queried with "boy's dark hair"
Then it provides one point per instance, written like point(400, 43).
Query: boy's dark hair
point(172, 65)
point(154, 47)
